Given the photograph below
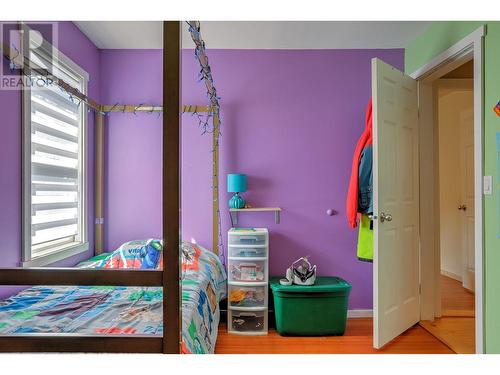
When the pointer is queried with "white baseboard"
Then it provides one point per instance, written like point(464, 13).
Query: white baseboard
point(360, 313)
point(452, 275)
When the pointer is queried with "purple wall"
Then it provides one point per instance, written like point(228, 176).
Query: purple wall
point(291, 119)
point(78, 48)
point(133, 146)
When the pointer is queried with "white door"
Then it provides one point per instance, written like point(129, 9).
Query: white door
point(466, 205)
point(396, 298)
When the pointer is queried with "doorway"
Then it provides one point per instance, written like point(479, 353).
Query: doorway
point(454, 106)
point(406, 215)
point(461, 62)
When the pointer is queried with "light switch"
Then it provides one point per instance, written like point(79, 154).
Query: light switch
point(488, 185)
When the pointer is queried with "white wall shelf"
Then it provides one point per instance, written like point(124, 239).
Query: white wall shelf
point(235, 211)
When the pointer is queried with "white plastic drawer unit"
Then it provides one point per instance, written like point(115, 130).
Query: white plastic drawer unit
point(247, 270)
point(248, 237)
point(248, 322)
point(244, 251)
point(248, 275)
point(247, 296)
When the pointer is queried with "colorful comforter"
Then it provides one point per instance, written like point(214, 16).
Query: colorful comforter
point(125, 310)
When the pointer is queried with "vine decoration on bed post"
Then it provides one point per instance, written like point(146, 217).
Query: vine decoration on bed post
point(205, 75)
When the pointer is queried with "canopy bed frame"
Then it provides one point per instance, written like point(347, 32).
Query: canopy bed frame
point(100, 120)
point(169, 278)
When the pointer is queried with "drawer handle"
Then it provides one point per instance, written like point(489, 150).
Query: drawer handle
point(248, 238)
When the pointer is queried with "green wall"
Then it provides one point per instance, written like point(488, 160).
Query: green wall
point(437, 38)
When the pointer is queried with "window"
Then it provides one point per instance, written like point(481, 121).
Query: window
point(54, 183)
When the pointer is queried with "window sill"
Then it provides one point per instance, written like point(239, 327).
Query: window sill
point(56, 256)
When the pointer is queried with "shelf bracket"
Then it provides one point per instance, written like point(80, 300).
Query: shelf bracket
point(234, 217)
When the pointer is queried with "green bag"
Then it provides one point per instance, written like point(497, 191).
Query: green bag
point(365, 239)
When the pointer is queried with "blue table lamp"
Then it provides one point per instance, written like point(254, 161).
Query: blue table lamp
point(236, 183)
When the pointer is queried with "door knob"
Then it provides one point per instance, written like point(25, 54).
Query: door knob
point(385, 217)
point(462, 207)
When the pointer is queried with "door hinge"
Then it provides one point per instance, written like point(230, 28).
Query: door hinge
point(419, 288)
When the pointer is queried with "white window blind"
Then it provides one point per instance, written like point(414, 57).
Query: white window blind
point(55, 211)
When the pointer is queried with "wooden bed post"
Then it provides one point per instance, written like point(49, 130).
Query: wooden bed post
point(171, 186)
point(99, 182)
point(215, 184)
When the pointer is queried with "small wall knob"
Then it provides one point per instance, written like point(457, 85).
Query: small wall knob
point(330, 212)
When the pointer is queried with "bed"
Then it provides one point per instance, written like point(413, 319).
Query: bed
point(125, 310)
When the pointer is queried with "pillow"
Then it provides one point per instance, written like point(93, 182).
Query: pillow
point(140, 254)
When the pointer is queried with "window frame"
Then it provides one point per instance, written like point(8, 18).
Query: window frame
point(66, 250)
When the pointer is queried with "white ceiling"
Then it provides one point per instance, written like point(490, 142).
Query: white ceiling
point(259, 34)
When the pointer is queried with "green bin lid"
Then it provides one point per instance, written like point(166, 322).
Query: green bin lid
point(322, 284)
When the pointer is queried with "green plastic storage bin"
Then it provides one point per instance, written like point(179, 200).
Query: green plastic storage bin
point(316, 310)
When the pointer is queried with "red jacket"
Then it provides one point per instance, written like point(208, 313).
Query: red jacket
point(352, 194)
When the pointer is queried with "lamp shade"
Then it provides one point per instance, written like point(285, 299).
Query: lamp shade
point(236, 183)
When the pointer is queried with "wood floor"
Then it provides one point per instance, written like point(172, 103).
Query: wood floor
point(441, 336)
point(357, 340)
point(456, 326)
point(455, 299)
point(455, 332)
